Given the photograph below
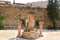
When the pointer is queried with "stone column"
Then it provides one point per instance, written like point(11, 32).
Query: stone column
point(40, 26)
point(19, 29)
point(30, 21)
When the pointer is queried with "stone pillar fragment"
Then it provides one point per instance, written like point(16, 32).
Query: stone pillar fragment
point(30, 21)
point(40, 26)
point(19, 29)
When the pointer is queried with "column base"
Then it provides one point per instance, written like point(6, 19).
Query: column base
point(19, 36)
point(40, 35)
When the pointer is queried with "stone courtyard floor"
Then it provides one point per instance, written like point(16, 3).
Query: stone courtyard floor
point(48, 35)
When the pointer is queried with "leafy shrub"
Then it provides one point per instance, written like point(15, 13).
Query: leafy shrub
point(1, 21)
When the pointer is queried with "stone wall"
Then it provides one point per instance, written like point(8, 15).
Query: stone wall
point(12, 14)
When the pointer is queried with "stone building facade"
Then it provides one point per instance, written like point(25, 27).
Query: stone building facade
point(14, 13)
point(11, 15)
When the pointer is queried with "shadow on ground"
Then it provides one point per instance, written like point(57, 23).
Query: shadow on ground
point(46, 30)
point(20, 39)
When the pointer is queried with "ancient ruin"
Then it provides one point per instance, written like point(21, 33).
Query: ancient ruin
point(30, 32)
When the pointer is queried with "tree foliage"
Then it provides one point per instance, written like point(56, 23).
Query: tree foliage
point(52, 9)
point(1, 21)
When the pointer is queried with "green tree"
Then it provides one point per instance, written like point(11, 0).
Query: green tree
point(52, 9)
point(1, 21)
point(13, 1)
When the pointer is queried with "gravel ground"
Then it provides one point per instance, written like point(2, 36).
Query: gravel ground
point(48, 35)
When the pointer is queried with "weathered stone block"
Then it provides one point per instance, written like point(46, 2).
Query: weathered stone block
point(31, 35)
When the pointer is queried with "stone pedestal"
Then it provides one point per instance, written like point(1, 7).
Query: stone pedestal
point(31, 35)
point(19, 29)
point(40, 26)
